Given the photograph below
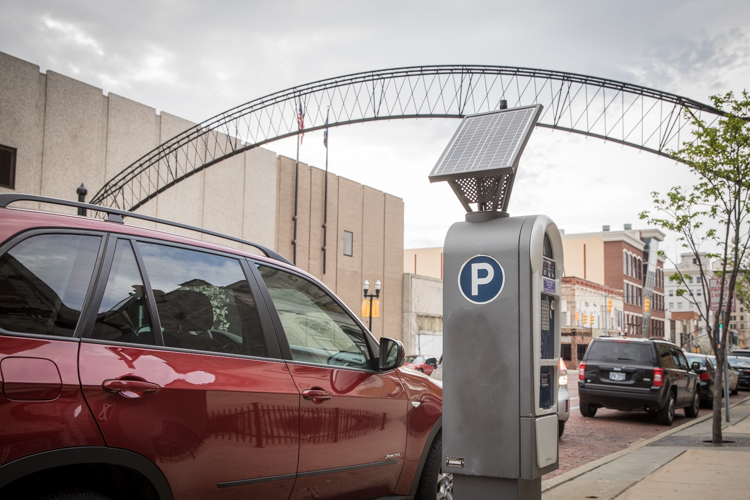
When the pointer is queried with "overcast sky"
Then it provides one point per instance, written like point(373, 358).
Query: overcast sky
point(195, 59)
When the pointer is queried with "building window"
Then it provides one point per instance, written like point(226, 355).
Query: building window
point(565, 352)
point(624, 262)
point(671, 305)
point(699, 292)
point(348, 243)
point(679, 305)
point(7, 167)
point(671, 293)
point(581, 351)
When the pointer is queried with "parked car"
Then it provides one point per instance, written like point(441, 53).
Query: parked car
point(141, 364)
point(742, 365)
point(637, 374)
point(563, 399)
point(424, 363)
point(706, 373)
point(563, 396)
point(437, 373)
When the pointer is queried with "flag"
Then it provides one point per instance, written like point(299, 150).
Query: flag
point(325, 134)
point(301, 121)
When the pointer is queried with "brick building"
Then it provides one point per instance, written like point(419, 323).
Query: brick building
point(624, 260)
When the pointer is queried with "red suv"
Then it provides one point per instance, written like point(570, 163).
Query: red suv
point(141, 364)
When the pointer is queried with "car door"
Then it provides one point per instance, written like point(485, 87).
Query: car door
point(45, 278)
point(680, 376)
point(180, 366)
point(690, 376)
point(352, 417)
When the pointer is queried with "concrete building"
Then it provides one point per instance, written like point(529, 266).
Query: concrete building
point(680, 304)
point(423, 315)
point(57, 132)
point(624, 260)
point(424, 261)
point(588, 310)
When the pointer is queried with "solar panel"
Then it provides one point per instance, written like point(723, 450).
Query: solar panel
point(489, 144)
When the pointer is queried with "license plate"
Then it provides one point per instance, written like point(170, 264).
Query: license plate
point(616, 376)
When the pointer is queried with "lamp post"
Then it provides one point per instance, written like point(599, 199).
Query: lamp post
point(366, 287)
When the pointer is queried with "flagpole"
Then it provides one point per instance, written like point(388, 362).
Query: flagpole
point(325, 202)
point(296, 192)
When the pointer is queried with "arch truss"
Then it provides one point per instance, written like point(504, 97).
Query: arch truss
point(636, 116)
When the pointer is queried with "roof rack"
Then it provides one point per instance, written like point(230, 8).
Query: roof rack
point(115, 215)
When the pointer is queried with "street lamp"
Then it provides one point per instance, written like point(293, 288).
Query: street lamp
point(366, 286)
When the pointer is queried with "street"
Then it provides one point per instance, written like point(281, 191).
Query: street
point(588, 439)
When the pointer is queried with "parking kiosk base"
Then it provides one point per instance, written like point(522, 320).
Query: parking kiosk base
point(492, 488)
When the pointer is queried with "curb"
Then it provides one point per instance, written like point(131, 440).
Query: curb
point(579, 471)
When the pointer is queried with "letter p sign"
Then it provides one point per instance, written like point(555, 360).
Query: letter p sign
point(481, 279)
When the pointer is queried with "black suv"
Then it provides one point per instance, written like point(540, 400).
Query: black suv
point(637, 374)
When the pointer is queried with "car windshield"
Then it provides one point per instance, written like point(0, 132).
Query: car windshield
point(694, 357)
point(739, 362)
point(621, 351)
point(414, 359)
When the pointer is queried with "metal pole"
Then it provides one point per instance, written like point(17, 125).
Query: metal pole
point(369, 327)
point(296, 190)
point(82, 192)
point(325, 208)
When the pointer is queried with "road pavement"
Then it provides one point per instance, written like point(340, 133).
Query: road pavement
point(588, 439)
point(678, 463)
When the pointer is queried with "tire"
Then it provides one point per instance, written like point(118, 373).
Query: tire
point(421, 370)
point(560, 428)
point(434, 485)
point(692, 410)
point(74, 494)
point(587, 410)
point(665, 416)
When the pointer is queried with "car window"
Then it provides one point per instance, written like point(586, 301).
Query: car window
point(123, 315)
point(739, 362)
point(43, 283)
point(203, 300)
point(666, 355)
point(317, 328)
point(620, 351)
point(679, 358)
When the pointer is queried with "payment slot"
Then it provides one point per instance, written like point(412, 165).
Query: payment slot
point(501, 318)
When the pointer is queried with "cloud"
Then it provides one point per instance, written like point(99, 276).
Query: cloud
point(71, 33)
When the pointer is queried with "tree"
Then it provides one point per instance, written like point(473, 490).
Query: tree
point(714, 212)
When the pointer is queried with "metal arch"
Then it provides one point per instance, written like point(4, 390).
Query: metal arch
point(636, 116)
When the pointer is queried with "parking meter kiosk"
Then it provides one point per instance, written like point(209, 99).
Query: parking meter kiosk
point(501, 325)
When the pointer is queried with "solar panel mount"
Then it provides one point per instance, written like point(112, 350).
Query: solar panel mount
point(481, 159)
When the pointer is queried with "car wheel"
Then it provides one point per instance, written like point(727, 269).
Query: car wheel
point(75, 495)
point(560, 428)
point(665, 416)
point(435, 485)
point(695, 405)
point(587, 410)
point(421, 370)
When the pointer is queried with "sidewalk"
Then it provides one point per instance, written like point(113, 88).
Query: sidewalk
point(676, 464)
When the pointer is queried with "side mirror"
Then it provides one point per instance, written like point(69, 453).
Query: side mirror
point(695, 366)
point(391, 354)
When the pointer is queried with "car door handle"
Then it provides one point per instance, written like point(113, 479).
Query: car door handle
point(316, 395)
point(131, 389)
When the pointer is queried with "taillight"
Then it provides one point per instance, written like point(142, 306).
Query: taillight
point(658, 377)
point(581, 370)
point(705, 376)
point(563, 379)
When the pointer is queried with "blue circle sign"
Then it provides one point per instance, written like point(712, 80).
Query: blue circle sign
point(481, 279)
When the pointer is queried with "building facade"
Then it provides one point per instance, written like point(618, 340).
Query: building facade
point(57, 133)
point(624, 260)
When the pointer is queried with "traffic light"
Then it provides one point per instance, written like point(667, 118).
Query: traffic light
point(647, 305)
point(585, 319)
point(609, 305)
